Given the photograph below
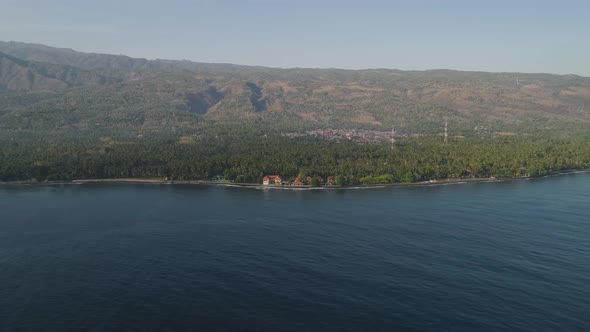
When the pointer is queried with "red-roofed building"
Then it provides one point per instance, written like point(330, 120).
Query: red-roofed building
point(297, 182)
point(331, 180)
point(271, 179)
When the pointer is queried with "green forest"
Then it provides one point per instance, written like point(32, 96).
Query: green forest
point(246, 154)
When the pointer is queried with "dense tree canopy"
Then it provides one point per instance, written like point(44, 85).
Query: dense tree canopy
point(247, 154)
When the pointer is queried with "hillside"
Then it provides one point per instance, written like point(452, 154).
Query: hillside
point(55, 90)
point(20, 75)
point(71, 115)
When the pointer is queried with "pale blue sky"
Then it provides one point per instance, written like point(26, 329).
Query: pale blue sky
point(488, 35)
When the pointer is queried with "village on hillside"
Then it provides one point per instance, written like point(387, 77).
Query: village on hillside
point(352, 135)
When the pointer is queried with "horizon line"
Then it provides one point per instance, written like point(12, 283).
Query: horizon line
point(293, 68)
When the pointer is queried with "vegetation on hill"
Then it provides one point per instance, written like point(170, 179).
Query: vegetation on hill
point(68, 115)
point(414, 102)
point(246, 155)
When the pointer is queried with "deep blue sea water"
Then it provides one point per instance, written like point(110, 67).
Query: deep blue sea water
point(511, 256)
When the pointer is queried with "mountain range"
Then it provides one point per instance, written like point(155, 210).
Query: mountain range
point(47, 89)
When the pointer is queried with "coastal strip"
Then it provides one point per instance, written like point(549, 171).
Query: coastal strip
point(296, 188)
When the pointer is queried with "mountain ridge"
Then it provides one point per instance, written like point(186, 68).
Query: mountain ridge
point(13, 46)
point(121, 92)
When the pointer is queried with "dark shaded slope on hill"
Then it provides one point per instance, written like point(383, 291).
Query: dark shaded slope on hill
point(201, 102)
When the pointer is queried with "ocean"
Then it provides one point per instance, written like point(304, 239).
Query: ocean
point(509, 256)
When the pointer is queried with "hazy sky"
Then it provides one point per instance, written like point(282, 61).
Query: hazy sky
point(489, 35)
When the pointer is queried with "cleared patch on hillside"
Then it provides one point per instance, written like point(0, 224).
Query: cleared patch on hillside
point(355, 86)
point(576, 91)
point(232, 90)
point(365, 118)
point(325, 89)
point(504, 134)
point(531, 87)
point(276, 105)
point(186, 140)
point(310, 117)
point(283, 86)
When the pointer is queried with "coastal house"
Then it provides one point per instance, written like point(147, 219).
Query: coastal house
point(271, 179)
point(331, 180)
point(297, 182)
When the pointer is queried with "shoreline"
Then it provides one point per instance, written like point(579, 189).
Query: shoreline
point(297, 188)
